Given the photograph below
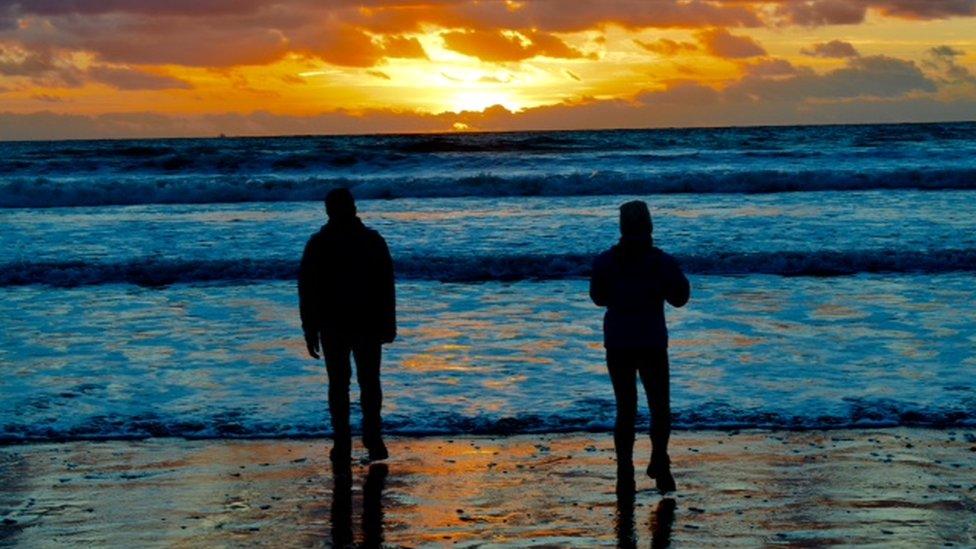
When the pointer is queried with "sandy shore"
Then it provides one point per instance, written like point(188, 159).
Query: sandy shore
point(909, 487)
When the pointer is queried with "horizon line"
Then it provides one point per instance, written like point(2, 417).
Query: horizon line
point(493, 132)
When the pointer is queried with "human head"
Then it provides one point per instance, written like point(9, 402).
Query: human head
point(635, 219)
point(340, 205)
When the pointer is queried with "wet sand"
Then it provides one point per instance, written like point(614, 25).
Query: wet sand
point(910, 487)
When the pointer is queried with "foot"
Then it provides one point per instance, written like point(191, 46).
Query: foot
point(659, 469)
point(656, 463)
point(664, 480)
point(378, 452)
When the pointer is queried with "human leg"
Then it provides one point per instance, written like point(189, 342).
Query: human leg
point(622, 376)
point(368, 359)
point(340, 371)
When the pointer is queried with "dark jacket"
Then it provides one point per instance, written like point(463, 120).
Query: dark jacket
point(633, 280)
point(345, 285)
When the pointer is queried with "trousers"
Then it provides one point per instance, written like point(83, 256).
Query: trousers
point(339, 367)
point(653, 367)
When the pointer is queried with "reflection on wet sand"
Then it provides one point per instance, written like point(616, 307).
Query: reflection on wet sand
point(661, 521)
point(342, 534)
point(909, 487)
point(626, 536)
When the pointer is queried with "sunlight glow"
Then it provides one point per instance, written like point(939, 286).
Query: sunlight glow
point(479, 100)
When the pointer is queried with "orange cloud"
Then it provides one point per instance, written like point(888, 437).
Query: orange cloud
point(387, 54)
point(496, 46)
point(402, 46)
point(345, 46)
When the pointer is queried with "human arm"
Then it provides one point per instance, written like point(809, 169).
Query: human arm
point(599, 284)
point(677, 289)
point(307, 298)
point(388, 291)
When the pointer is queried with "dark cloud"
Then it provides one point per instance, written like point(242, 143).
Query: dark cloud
point(942, 60)
point(823, 12)
point(558, 16)
point(721, 43)
point(875, 76)
point(42, 68)
point(926, 9)
point(665, 46)
point(852, 12)
point(946, 52)
point(837, 49)
point(142, 7)
point(46, 69)
point(682, 92)
point(47, 98)
point(683, 104)
point(226, 33)
point(772, 67)
point(771, 91)
point(378, 74)
point(132, 79)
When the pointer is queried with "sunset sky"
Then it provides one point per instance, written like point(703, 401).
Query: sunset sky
point(124, 68)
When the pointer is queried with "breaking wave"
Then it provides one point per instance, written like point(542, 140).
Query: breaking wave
point(161, 272)
point(43, 192)
point(593, 415)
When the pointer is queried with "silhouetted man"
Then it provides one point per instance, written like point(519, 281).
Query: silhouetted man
point(633, 280)
point(348, 305)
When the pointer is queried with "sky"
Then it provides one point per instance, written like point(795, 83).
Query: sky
point(147, 68)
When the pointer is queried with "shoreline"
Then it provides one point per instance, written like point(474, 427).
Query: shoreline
point(910, 486)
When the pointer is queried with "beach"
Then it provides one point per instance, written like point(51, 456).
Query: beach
point(487, 241)
point(158, 391)
point(885, 487)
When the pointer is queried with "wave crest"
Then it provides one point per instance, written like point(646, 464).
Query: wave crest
point(160, 272)
point(43, 192)
point(592, 415)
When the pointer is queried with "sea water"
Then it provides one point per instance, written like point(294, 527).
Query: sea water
point(147, 287)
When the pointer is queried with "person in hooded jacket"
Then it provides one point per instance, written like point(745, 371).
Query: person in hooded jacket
point(347, 302)
point(633, 280)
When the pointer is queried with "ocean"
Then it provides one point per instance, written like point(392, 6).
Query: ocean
point(147, 286)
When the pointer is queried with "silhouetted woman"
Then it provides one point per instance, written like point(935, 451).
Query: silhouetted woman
point(632, 280)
